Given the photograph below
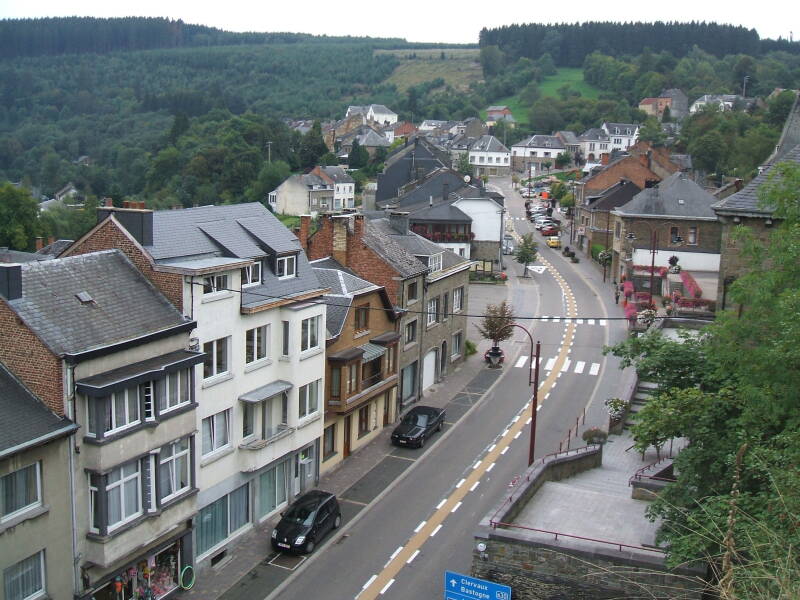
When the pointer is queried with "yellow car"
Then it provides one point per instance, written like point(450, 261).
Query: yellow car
point(554, 241)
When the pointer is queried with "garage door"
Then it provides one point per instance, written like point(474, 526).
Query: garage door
point(429, 370)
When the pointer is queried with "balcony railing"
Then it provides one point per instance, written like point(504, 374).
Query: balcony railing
point(444, 236)
point(368, 382)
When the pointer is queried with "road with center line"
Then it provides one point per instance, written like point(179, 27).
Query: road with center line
point(401, 545)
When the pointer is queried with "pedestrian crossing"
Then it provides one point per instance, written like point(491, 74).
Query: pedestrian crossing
point(577, 367)
point(549, 319)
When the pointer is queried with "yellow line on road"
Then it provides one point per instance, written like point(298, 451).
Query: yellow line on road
point(452, 502)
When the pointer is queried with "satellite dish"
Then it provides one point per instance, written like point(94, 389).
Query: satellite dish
point(467, 178)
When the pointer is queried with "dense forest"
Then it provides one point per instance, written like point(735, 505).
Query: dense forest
point(570, 44)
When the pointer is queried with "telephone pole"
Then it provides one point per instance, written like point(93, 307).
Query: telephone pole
point(269, 151)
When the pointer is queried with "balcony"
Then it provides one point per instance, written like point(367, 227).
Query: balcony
point(443, 236)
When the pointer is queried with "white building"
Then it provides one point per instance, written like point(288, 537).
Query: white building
point(536, 150)
point(488, 156)
point(376, 112)
point(322, 189)
point(621, 135)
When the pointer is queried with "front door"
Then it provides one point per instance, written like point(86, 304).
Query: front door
point(429, 370)
point(386, 396)
point(348, 427)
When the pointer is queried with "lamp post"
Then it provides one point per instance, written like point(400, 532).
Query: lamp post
point(494, 358)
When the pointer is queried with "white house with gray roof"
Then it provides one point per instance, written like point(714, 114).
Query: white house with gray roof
point(488, 156)
point(621, 135)
point(245, 281)
point(536, 151)
point(375, 112)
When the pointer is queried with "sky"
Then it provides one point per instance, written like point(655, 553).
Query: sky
point(418, 20)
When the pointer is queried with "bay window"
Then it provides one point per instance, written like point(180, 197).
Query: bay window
point(174, 469)
point(20, 491)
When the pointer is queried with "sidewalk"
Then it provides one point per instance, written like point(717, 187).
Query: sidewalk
point(251, 549)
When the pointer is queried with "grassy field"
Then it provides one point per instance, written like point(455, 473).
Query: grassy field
point(571, 77)
point(459, 68)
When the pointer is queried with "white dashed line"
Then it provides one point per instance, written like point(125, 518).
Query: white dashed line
point(602, 322)
point(519, 433)
point(579, 367)
point(476, 465)
point(590, 321)
point(387, 586)
point(374, 577)
point(504, 450)
point(492, 447)
point(420, 526)
point(460, 483)
point(456, 507)
point(412, 557)
point(474, 485)
point(435, 531)
point(546, 396)
point(521, 362)
point(538, 408)
point(441, 504)
point(528, 422)
point(515, 419)
point(490, 467)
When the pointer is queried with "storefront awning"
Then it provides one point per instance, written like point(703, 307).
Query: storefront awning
point(371, 351)
point(266, 391)
point(136, 373)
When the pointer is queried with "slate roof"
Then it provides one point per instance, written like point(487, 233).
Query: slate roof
point(381, 238)
point(617, 195)
point(344, 287)
point(624, 128)
point(675, 197)
point(124, 306)
point(402, 167)
point(542, 141)
point(372, 139)
point(17, 256)
point(24, 419)
point(432, 185)
point(746, 201)
point(442, 211)
point(488, 143)
point(594, 134)
point(496, 108)
point(568, 137)
point(338, 174)
point(56, 247)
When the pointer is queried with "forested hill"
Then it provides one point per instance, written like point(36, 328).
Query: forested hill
point(81, 35)
point(570, 44)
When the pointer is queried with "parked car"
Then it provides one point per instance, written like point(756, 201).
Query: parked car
point(417, 425)
point(306, 522)
point(542, 224)
point(550, 230)
point(553, 242)
point(508, 246)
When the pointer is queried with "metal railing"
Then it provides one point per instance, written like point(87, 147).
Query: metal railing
point(556, 534)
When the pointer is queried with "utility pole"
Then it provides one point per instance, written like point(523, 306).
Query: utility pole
point(744, 85)
point(269, 151)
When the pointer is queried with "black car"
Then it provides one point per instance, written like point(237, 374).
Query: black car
point(306, 522)
point(417, 425)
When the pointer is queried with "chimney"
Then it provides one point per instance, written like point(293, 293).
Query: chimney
point(302, 233)
point(399, 221)
point(107, 202)
point(39, 243)
point(51, 240)
point(604, 159)
point(126, 204)
point(738, 184)
point(138, 221)
point(358, 226)
point(11, 281)
point(339, 250)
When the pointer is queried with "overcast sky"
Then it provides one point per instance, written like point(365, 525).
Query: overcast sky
point(419, 20)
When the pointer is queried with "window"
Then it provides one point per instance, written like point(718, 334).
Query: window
point(456, 345)
point(363, 420)
point(171, 392)
point(25, 580)
point(287, 267)
point(445, 298)
point(276, 415)
point(435, 263)
point(352, 378)
point(272, 488)
point(329, 441)
point(248, 417)
point(124, 494)
point(216, 432)
point(215, 283)
point(362, 317)
point(308, 333)
point(20, 490)
point(458, 299)
point(411, 332)
point(173, 469)
point(285, 339)
point(692, 236)
point(433, 309)
point(336, 382)
point(222, 518)
point(617, 229)
point(251, 274)
point(390, 359)
point(412, 291)
point(308, 399)
point(618, 140)
point(216, 359)
point(121, 409)
point(673, 235)
point(255, 344)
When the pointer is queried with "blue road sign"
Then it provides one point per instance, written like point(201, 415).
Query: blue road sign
point(464, 587)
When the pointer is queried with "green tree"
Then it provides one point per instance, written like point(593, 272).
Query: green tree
point(497, 322)
point(651, 132)
point(358, 156)
point(545, 117)
point(708, 151)
point(270, 176)
point(19, 223)
point(463, 166)
point(492, 60)
point(312, 147)
point(562, 160)
point(526, 253)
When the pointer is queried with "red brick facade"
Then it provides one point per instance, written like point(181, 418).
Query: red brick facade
point(30, 360)
point(108, 235)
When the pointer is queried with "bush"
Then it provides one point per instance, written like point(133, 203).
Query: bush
point(469, 348)
point(596, 250)
point(594, 435)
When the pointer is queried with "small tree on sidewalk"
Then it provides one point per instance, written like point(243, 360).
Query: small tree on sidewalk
point(496, 322)
point(526, 252)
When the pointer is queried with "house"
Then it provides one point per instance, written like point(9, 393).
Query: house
point(246, 282)
point(594, 142)
point(68, 191)
point(431, 124)
point(459, 146)
point(722, 102)
point(488, 156)
point(621, 135)
point(374, 112)
point(367, 137)
point(536, 153)
point(427, 284)
point(404, 130)
point(679, 103)
point(654, 107)
point(472, 127)
point(362, 369)
point(498, 113)
point(407, 164)
point(571, 141)
point(321, 189)
point(35, 518)
point(593, 223)
point(104, 346)
point(672, 218)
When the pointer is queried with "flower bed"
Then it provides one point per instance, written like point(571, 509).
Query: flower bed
point(630, 312)
point(627, 289)
point(642, 297)
point(660, 271)
point(695, 303)
point(690, 285)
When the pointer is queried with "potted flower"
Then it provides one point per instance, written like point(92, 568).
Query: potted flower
point(674, 267)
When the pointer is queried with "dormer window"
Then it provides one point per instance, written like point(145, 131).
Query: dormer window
point(251, 274)
point(435, 263)
point(286, 267)
point(215, 283)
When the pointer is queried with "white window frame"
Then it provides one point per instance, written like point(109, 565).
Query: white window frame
point(458, 299)
point(260, 343)
point(178, 393)
point(435, 263)
point(457, 349)
point(305, 396)
point(251, 274)
point(42, 591)
point(214, 351)
point(170, 462)
point(28, 507)
point(433, 311)
point(212, 419)
point(115, 427)
point(282, 266)
point(121, 484)
point(309, 333)
point(214, 284)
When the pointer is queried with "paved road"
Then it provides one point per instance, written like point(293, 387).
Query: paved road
point(423, 525)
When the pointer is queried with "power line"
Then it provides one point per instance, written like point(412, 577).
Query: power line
point(425, 312)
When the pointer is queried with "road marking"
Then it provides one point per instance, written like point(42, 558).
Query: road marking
point(519, 433)
point(579, 367)
point(590, 321)
point(521, 362)
point(602, 322)
point(515, 419)
point(528, 422)
point(477, 464)
point(546, 396)
point(456, 507)
point(538, 408)
point(458, 485)
point(441, 504)
point(594, 369)
point(387, 586)
point(580, 321)
point(435, 531)
point(405, 457)
point(549, 364)
point(556, 319)
point(412, 557)
point(420, 526)
point(504, 450)
point(374, 577)
point(490, 467)
point(565, 366)
point(474, 485)
point(492, 447)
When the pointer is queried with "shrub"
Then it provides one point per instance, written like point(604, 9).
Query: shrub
point(594, 435)
point(469, 348)
point(627, 289)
